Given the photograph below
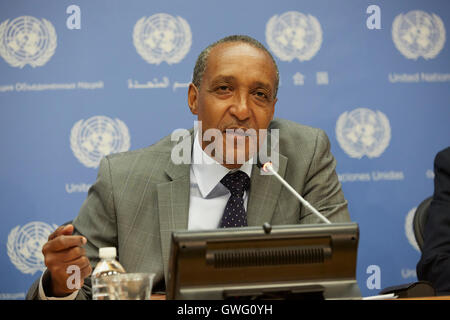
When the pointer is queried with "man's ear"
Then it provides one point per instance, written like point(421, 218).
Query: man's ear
point(193, 98)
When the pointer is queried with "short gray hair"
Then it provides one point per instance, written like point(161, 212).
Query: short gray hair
point(202, 59)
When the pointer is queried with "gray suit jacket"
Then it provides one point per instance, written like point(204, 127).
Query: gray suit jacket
point(141, 197)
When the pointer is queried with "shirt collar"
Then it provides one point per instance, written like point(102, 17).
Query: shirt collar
point(208, 172)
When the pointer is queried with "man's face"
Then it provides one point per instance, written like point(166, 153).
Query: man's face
point(236, 92)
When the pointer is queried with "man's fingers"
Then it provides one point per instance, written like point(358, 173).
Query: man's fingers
point(69, 255)
point(86, 271)
point(65, 257)
point(62, 230)
point(81, 262)
point(75, 253)
point(55, 233)
point(63, 242)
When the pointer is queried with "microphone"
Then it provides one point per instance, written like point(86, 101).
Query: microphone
point(267, 167)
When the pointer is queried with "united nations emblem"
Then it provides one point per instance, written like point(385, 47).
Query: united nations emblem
point(25, 246)
point(97, 137)
point(418, 34)
point(27, 40)
point(162, 37)
point(294, 35)
point(363, 132)
point(409, 229)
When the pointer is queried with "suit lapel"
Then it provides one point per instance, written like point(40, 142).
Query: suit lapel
point(264, 194)
point(173, 204)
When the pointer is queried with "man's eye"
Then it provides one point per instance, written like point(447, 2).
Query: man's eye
point(223, 88)
point(261, 94)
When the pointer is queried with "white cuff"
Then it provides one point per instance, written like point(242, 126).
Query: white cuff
point(42, 295)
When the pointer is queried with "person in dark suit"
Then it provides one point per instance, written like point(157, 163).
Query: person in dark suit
point(434, 265)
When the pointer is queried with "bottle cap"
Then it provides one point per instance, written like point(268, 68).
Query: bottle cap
point(107, 253)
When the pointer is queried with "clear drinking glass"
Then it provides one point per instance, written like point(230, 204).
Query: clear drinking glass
point(128, 286)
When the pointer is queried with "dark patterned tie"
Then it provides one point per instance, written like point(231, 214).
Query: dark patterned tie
point(234, 214)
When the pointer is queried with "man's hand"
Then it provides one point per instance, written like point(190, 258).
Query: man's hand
point(61, 251)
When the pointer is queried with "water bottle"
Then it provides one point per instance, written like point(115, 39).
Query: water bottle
point(107, 266)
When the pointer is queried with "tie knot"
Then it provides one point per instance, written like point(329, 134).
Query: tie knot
point(237, 182)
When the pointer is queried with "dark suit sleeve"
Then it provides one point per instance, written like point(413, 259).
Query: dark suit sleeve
point(434, 265)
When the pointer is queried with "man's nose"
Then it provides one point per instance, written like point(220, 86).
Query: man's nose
point(241, 108)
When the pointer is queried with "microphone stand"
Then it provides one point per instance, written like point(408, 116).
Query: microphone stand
point(267, 167)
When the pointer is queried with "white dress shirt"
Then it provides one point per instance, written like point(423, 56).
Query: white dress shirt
point(208, 197)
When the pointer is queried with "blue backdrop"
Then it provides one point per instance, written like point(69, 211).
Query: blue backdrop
point(80, 79)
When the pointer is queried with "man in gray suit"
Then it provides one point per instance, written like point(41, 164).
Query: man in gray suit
point(142, 196)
